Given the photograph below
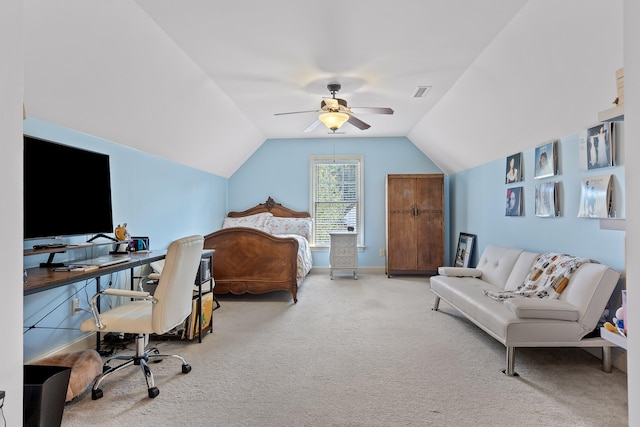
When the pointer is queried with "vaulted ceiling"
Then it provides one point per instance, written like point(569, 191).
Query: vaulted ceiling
point(199, 82)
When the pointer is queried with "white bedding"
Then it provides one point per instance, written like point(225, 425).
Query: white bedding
point(304, 256)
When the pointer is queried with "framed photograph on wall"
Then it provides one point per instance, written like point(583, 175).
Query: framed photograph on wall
point(514, 201)
point(596, 198)
point(546, 160)
point(547, 199)
point(514, 171)
point(600, 146)
point(464, 251)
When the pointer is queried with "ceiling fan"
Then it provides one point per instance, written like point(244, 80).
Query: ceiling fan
point(334, 112)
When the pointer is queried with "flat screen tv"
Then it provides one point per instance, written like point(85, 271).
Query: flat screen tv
point(67, 190)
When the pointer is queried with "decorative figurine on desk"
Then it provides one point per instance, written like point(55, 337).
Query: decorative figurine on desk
point(122, 235)
point(121, 232)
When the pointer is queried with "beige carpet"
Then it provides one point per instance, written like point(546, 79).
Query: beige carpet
point(367, 352)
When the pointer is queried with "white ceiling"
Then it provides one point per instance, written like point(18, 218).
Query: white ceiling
point(199, 81)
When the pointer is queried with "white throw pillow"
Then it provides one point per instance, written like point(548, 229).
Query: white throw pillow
point(300, 226)
point(257, 221)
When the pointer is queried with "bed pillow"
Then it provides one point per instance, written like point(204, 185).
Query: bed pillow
point(257, 221)
point(300, 226)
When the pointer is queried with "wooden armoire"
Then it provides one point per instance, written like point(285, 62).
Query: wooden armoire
point(415, 223)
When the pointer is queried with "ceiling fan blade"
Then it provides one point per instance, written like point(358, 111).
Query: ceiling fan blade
point(297, 112)
point(372, 110)
point(312, 126)
point(358, 123)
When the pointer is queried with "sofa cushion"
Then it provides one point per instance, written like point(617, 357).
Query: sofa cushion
point(459, 272)
point(589, 289)
point(496, 264)
point(537, 308)
point(550, 274)
point(520, 270)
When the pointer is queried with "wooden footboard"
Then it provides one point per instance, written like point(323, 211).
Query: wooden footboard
point(249, 260)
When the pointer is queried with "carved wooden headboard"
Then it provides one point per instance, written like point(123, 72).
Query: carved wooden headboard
point(270, 206)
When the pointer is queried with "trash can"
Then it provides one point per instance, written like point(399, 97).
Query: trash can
point(45, 390)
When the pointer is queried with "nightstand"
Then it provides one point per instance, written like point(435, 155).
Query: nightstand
point(343, 253)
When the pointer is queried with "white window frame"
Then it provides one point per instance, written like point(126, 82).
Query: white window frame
point(337, 159)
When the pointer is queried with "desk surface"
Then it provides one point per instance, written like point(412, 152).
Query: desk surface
point(41, 279)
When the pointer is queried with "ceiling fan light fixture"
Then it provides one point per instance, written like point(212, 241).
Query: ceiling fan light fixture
point(333, 120)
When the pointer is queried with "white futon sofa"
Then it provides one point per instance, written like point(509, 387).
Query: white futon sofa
point(559, 320)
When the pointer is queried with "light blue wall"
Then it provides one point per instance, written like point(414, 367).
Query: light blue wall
point(478, 198)
point(280, 169)
point(155, 197)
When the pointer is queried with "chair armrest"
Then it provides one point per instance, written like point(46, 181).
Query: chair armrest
point(114, 292)
point(542, 308)
point(459, 272)
point(125, 293)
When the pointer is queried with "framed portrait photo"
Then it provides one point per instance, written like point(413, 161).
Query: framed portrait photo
point(600, 146)
point(513, 171)
point(464, 251)
point(546, 160)
point(596, 198)
point(547, 199)
point(514, 202)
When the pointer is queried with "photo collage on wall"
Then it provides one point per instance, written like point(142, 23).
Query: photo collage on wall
point(546, 193)
point(513, 174)
point(597, 149)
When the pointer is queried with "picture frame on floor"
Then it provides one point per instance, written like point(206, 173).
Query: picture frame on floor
point(465, 249)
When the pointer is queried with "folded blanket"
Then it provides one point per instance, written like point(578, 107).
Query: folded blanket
point(547, 278)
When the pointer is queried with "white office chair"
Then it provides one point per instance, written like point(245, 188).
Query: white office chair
point(168, 307)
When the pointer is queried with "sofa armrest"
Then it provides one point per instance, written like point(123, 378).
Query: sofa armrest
point(459, 272)
point(542, 308)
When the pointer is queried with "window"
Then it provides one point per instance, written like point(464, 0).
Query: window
point(336, 197)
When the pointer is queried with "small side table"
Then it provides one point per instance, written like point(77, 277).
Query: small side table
point(617, 339)
point(343, 253)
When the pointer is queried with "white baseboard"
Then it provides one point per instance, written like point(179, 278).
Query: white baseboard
point(85, 342)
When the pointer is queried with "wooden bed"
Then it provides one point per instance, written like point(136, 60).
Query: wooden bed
point(248, 260)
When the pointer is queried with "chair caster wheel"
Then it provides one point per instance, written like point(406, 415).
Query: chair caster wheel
point(96, 394)
point(186, 369)
point(154, 392)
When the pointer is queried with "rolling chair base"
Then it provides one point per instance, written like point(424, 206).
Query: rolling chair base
point(141, 358)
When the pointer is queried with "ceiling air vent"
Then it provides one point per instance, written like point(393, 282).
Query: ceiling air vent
point(421, 91)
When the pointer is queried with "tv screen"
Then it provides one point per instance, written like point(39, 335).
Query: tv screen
point(67, 190)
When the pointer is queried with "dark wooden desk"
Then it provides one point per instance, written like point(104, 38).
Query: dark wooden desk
point(40, 279)
point(44, 278)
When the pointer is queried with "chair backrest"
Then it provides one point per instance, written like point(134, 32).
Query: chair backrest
point(174, 293)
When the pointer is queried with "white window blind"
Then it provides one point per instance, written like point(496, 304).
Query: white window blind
point(336, 197)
